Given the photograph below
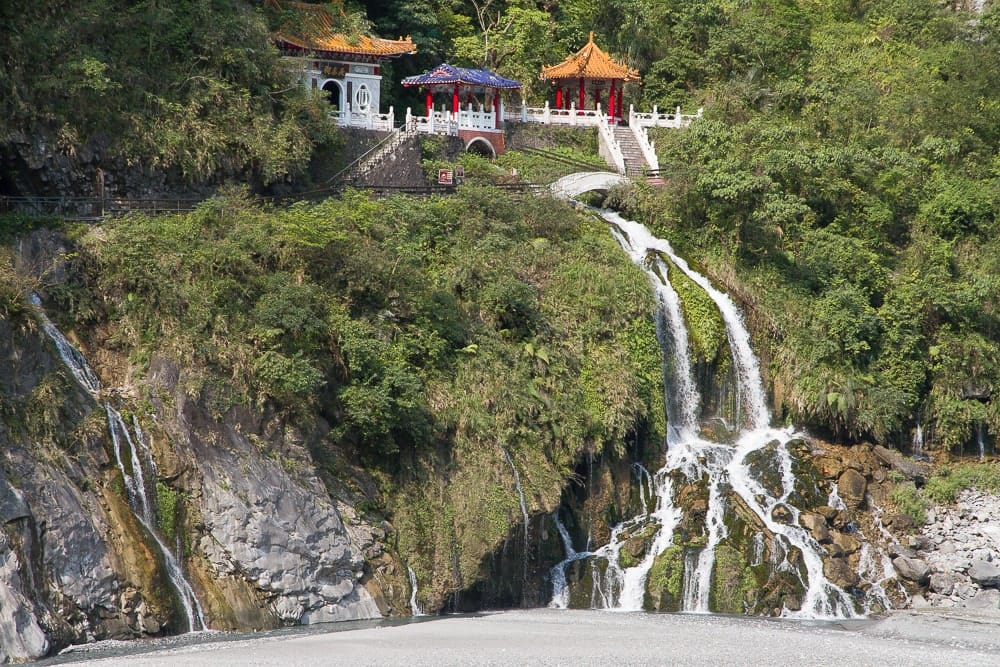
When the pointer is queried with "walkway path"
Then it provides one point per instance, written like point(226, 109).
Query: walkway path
point(559, 637)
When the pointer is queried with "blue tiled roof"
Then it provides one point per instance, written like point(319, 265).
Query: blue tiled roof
point(445, 74)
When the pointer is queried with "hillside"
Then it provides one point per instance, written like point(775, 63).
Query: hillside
point(360, 407)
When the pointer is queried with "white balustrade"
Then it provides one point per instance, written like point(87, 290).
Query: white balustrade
point(657, 119)
point(368, 120)
point(608, 143)
point(647, 147)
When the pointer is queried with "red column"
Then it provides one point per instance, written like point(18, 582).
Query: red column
point(454, 100)
point(430, 102)
point(583, 95)
point(559, 98)
point(620, 96)
point(496, 108)
point(611, 102)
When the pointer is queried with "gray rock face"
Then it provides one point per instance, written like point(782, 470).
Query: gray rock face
point(282, 536)
point(74, 566)
point(985, 573)
point(21, 635)
point(267, 517)
point(912, 569)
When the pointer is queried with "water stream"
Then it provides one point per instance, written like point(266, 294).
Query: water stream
point(415, 609)
point(726, 467)
point(134, 473)
point(524, 512)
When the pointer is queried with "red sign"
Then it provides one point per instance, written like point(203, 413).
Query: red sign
point(445, 177)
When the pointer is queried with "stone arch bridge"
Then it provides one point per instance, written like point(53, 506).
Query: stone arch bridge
point(574, 185)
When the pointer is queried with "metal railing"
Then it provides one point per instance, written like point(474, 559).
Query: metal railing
point(83, 208)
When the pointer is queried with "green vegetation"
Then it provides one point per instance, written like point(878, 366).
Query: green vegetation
point(431, 334)
point(167, 511)
point(665, 582)
point(732, 581)
point(195, 89)
point(910, 501)
point(843, 187)
point(944, 487)
point(948, 481)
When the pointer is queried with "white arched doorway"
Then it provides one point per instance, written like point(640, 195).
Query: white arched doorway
point(334, 93)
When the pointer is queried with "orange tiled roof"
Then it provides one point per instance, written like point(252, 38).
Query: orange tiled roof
point(314, 31)
point(590, 63)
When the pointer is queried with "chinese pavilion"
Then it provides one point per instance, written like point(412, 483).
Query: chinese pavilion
point(463, 85)
point(345, 66)
point(586, 74)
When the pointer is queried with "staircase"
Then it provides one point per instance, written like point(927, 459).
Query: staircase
point(635, 163)
point(366, 163)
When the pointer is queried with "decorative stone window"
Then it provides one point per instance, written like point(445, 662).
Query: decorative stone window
point(362, 98)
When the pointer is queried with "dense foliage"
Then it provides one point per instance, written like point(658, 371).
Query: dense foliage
point(847, 191)
point(437, 337)
point(195, 87)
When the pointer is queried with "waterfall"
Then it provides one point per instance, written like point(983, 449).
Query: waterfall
point(981, 441)
point(726, 467)
point(917, 444)
point(524, 515)
point(139, 456)
point(560, 591)
point(415, 609)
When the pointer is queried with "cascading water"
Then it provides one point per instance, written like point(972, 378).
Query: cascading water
point(415, 609)
point(726, 467)
point(141, 459)
point(524, 511)
point(560, 591)
point(917, 444)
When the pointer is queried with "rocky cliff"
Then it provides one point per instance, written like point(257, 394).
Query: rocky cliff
point(258, 531)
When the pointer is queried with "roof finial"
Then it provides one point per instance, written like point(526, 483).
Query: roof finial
point(591, 36)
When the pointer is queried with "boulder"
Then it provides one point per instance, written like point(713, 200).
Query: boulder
point(912, 569)
point(895, 460)
point(847, 542)
point(816, 525)
point(901, 522)
point(985, 573)
point(827, 512)
point(942, 583)
point(899, 550)
point(852, 485)
point(984, 599)
point(781, 513)
point(840, 573)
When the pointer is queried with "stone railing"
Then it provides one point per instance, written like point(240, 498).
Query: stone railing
point(609, 147)
point(660, 119)
point(449, 122)
point(549, 116)
point(648, 147)
point(366, 120)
